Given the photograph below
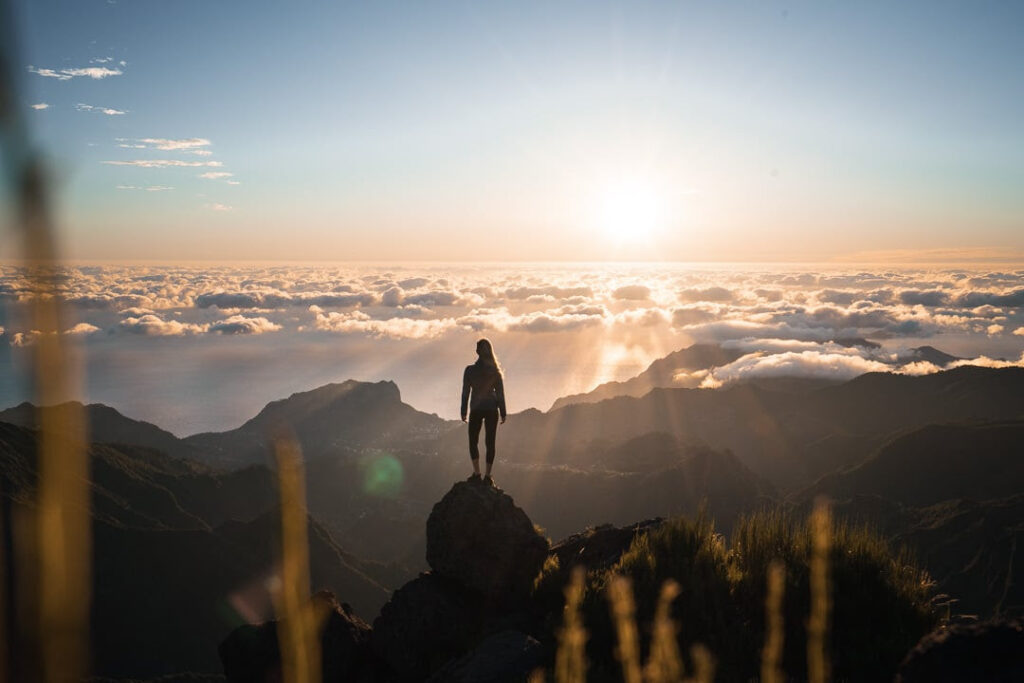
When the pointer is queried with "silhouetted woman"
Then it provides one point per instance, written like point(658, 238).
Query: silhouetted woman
point(483, 391)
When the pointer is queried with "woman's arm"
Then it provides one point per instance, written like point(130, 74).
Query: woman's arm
point(465, 394)
point(500, 390)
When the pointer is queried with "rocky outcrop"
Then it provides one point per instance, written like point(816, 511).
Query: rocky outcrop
point(428, 621)
point(478, 537)
point(466, 620)
point(602, 546)
point(986, 652)
point(485, 554)
point(503, 657)
point(251, 654)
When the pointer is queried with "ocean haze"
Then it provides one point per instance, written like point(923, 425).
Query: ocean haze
point(203, 348)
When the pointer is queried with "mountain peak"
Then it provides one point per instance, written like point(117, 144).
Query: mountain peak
point(301, 405)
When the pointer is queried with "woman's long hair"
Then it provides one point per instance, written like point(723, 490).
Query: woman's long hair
point(486, 353)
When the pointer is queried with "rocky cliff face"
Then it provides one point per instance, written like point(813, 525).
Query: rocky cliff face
point(478, 537)
point(251, 652)
point(985, 652)
point(466, 619)
point(484, 554)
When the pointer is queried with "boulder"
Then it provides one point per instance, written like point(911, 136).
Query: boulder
point(477, 536)
point(428, 622)
point(984, 652)
point(505, 657)
point(602, 546)
point(251, 653)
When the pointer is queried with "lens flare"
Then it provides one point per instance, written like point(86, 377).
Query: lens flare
point(382, 475)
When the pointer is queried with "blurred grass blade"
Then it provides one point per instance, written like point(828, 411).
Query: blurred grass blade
point(771, 657)
point(571, 658)
point(298, 628)
point(620, 594)
point(703, 664)
point(818, 621)
point(63, 541)
point(664, 664)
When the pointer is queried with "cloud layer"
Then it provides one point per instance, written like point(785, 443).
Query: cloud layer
point(156, 337)
point(786, 323)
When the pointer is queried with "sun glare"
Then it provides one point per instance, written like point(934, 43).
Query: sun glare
point(631, 211)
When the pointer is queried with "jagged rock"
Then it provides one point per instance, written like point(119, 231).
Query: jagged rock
point(505, 657)
point(251, 653)
point(428, 621)
point(986, 652)
point(477, 536)
point(602, 546)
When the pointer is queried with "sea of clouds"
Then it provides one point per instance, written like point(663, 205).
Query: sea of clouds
point(204, 347)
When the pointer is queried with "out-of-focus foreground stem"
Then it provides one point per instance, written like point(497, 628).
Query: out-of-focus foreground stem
point(55, 560)
point(299, 624)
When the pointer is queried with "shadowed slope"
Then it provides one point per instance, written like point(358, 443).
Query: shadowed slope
point(790, 438)
point(335, 416)
point(660, 373)
point(107, 425)
point(937, 463)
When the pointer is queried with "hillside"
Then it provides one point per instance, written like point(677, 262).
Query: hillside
point(937, 463)
point(682, 370)
point(660, 373)
point(107, 425)
point(181, 553)
point(969, 547)
point(493, 605)
point(327, 419)
point(931, 462)
point(790, 438)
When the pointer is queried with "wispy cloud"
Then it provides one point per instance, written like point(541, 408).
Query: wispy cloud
point(94, 72)
point(183, 145)
point(148, 188)
point(221, 207)
point(40, 106)
point(214, 175)
point(102, 110)
point(196, 146)
point(162, 163)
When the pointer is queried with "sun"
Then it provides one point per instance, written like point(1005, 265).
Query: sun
point(630, 211)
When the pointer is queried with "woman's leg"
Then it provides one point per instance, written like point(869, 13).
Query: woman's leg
point(475, 420)
point(491, 425)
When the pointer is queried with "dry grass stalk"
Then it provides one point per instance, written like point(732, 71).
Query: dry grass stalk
point(664, 665)
point(571, 659)
point(64, 534)
point(703, 664)
point(298, 627)
point(818, 621)
point(620, 594)
point(771, 657)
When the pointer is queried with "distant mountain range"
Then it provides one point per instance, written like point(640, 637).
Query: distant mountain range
point(681, 370)
point(789, 437)
point(662, 373)
point(937, 463)
point(184, 529)
point(335, 416)
point(181, 553)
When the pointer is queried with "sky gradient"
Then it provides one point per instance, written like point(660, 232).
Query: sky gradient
point(529, 131)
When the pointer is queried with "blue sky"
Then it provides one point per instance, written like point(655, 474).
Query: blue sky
point(480, 131)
